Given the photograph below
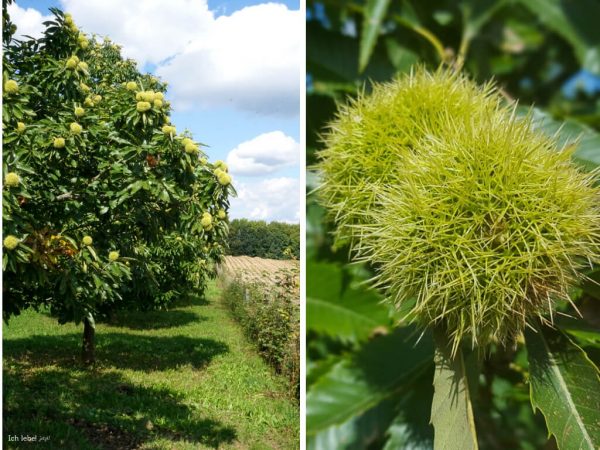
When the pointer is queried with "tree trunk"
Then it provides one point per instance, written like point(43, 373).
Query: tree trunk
point(88, 351)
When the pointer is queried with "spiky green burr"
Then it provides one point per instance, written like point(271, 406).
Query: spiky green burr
point(468, 215)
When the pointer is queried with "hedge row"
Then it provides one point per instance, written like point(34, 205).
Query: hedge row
point(270, 317)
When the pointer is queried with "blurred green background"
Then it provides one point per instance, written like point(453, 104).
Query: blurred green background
point(368, 387)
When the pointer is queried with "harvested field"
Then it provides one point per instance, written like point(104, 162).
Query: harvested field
point(252, 269)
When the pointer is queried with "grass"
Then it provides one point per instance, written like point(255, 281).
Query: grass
point(179, 379)
point(269, 313)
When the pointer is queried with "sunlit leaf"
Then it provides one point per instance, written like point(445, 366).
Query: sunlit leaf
point(564, 387)
point(569, 132)
point(375, 11)
point(343, 311)
point(452, 410)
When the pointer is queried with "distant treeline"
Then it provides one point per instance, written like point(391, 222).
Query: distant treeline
point(274, 240)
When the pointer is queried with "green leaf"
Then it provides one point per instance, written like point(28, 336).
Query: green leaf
point(476, 13)
point(164, 196)
point(584, 334)
point(347, 312)
point(375, 11)
point(452, 410)
point(569, 132)
point(344, 320)
point(411, 428)
point(315, 369)
point(402, 420)
point(333, 57)
point(409, 14)
point(576, 22)
point(383, 368)
point(565, 387)
point(92, 252)
point(402, 58)
point(357, 433)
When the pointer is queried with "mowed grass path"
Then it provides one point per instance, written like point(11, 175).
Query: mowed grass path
point(179, 379)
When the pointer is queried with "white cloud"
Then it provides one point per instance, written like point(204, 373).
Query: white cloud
point(269, 199)
point(28, 21)
point(248, 60)
point(149, 31)
point(264, 154)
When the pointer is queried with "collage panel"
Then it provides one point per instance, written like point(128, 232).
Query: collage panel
point(452, 247)
point(301, 224)
point(151, 224)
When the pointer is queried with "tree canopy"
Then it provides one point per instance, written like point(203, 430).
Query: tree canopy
point(276, 240)
point(105, 204)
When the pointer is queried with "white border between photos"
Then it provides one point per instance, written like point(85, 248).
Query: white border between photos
point(303, 228)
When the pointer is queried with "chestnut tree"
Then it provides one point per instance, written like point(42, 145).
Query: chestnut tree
point(105, 205)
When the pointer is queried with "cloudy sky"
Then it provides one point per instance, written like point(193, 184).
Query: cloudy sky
point(233, 69)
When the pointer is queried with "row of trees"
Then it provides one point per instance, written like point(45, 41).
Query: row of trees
point(105, 205)
point(275, 240)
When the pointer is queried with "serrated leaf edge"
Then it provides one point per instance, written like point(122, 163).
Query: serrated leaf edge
point(536, 406)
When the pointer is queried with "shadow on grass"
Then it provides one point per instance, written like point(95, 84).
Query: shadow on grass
point(87, 409)
point(118, 350)
point(191, 299)
point(153, 320)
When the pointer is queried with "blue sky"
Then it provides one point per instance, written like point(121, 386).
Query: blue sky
point(226, 7)
point(233, 69)
point(220, 7)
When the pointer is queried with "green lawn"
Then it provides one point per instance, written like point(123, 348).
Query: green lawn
point(179, 379)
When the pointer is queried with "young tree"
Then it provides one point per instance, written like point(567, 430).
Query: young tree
point(105, 205)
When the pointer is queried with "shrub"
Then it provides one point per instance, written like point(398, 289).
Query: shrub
point(270, 317)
